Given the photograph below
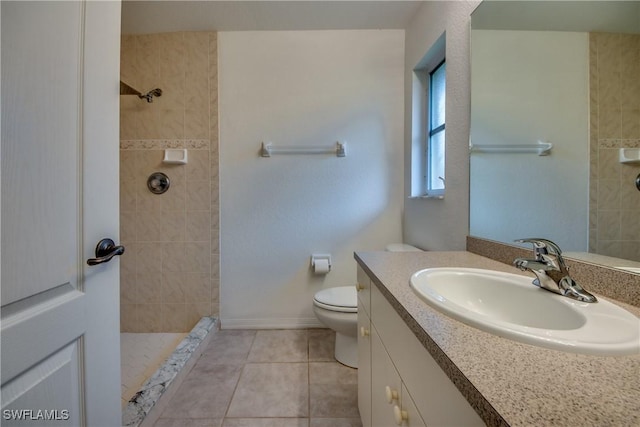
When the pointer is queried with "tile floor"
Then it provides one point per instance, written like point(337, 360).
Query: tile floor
point(140, 355)
point(266, 378)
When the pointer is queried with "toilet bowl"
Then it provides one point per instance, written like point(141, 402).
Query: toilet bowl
point(337, 309)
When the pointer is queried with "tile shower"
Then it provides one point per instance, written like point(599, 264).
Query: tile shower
point(170, 272)
point(614, 66)
point(169, 275)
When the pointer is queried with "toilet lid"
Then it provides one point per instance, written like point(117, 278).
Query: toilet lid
point(343, 299)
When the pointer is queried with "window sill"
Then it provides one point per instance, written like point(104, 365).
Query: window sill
point(426, 196)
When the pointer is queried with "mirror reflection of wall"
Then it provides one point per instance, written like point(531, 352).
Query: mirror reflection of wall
point(579, 90)
point(614, 211)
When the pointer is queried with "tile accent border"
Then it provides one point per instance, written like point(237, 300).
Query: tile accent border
point(164, 144)
point(141, 404)
point(619, 143)
point(610, 282)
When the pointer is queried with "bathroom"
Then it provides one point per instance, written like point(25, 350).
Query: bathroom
point(300, 205)
point(207, 246)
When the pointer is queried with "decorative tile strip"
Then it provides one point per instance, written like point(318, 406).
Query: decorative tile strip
point(164, 144)
point(619, 143)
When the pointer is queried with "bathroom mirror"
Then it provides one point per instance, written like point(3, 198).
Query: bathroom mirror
point(565, 73)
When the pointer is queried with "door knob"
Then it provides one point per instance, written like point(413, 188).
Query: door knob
point(105, 250)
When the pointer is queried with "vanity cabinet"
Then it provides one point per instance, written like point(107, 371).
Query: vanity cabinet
point(399, 383)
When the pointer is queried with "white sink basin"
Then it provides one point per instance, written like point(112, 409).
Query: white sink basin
point(509, 305)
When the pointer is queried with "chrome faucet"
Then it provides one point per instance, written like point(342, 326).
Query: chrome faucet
point(551, 271)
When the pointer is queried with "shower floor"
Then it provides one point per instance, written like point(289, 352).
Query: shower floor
point(141, 355)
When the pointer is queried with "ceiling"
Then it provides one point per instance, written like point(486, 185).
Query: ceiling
point(144, 17)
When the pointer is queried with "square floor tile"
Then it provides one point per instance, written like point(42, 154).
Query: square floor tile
point(271, 390)
point(188, 422)
point(280, 346)
point(335, 422)
point(266, 422)
point(204, 393)
point(322, 345)
point(230, 346)
point(333, 400)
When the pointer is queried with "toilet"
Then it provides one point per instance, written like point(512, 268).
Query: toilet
point(337, 309)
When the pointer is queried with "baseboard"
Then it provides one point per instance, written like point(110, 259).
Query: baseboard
point(283, 323)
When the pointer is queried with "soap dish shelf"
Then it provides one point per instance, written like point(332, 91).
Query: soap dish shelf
point(630, 156)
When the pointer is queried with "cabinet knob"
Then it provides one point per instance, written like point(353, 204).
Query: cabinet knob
point(391, 394)
point(359, 287)
point(364, 332)
point(400, 415)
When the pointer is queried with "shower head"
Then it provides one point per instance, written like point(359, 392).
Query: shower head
point(149, 95)
point(125, 89)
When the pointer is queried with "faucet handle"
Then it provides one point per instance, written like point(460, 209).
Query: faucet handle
point(541, 246)
point(541, 250)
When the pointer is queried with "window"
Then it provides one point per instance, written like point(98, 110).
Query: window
point(435, 148)
point(428, 123)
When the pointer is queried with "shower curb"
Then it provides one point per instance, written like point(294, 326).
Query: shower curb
point(141, 404)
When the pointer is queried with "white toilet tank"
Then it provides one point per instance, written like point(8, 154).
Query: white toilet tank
point(401, 247)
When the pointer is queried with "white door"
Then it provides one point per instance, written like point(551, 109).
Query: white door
point(59, 333)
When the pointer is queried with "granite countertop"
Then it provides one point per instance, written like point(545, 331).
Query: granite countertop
point(507, 382)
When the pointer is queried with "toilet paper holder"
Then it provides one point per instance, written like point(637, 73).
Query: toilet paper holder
point(320, 257)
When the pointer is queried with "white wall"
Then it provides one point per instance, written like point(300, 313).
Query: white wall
point(428, 223)
point(529, 86)
point(305, 88)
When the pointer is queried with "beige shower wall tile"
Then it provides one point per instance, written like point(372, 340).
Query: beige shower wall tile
point(149, 226)
point(174, 257)
point(149, 317)
point(198, 226)
point(147, 55)
point(173, 287)
point(127, 59)
point(215, 266)
point(198, 168)
point(197, 310)
point(215, 217)
point(148, 257)
point(630, 123)
point(630, 225)
point(127, 165)
point(608, 194)
point(128, 294)
point(175, 198)
point(128, 227)
point(630, 250)
point(148, 287)
point(172, 57)
point(129, 111)
point(198, 195)
point(215, 246)
point(608, 225)
point(147, 162)
point(196, 122)
point(610, 123)
point(198, 256)
point(173, 226)
point(611, 248)
point(148, 122)
point(128, 196)
point(174, 318)
point(197, 288)
point(608, 164)
point(172, 122)
point(129, 318)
